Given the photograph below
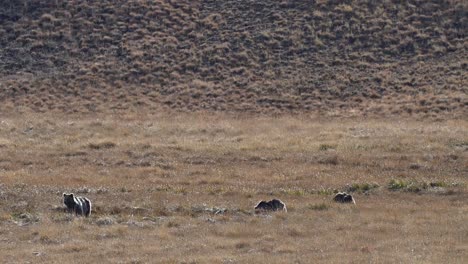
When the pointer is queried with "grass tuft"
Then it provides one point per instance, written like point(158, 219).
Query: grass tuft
point(325, 147)
point(102, 145)
point(415, 186)
point(362, 187)
point(319, 207)
point(24, 218)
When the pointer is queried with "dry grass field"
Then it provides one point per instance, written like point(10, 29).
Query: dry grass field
point(181, 189)
point(175, 117)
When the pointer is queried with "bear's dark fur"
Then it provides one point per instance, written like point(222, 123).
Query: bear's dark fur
point(343, 197)
point(273, 205)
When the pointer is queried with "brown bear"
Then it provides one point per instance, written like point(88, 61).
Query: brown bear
point(343, 197)
point(273, 205)
point(76, 204)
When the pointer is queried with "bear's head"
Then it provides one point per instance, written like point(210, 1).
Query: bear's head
point(68, 199)
point(262, 205)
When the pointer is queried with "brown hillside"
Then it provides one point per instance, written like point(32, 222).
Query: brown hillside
point(335, 57)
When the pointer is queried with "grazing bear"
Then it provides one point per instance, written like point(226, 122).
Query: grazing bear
point(343, 197)
point(79, 205)
point(273, 205)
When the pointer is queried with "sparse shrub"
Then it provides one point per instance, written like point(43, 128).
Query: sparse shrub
point(318, 42)
point(180, 190)
point(319, 207)
point(83, 190)
point(215, 190)
point(414, 186)
point(102, 145)
point(395, 184)
point(394, 148)
point(328, 159)
point(414, 166)
point(102, 190)
point(23, 219)
point(64, 217)
point(294, 232)
point(324, 147)
point(200, 209)
point(75, 154)
point(242, 245)
point(124, 190)
point(362, 187)
point(294, 191)
point(328, 191)
point(172, 224)
point(462, 144)
point(298, 192)
point(115, 210)
point(105, 221)
point(438, 184)
point(45, 239)
point(344, 8)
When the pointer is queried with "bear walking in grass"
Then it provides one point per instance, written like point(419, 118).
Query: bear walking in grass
point(76, 204)
point(273, 205)
point(343, 197)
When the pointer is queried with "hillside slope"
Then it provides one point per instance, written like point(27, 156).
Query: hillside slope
point(337, 57)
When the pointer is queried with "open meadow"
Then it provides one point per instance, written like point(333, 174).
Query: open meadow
point(181, 189)
point(176, 117)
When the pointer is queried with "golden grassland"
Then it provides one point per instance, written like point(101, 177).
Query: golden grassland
point(181, 189)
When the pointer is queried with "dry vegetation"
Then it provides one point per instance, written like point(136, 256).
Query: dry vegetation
point(95, 96)
point(349, 57)
point(182, 189)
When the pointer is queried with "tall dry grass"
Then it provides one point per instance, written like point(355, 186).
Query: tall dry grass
point(181, 188)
